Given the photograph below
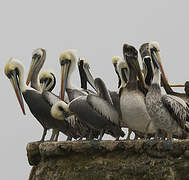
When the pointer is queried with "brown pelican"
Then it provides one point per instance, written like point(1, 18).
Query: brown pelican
point(48, 78)
point(154, 49)
point(38, 59)
point(37, 104)
point(68, 61)
point(47, 83)
point(133, 108)
point(96, 110)
point(169, 113)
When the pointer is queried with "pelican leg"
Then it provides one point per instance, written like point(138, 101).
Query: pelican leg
point(69, 138)
point(44, 134)
point(117, 139)
point(80, 139)
point(53, 135)
point(136, 137)
point(128, 134)
point(90, 137)
point(168, 144)
point(56, 135)
point(152, 142)
point(101, 134)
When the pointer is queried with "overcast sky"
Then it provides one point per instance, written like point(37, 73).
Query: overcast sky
point(98, 30)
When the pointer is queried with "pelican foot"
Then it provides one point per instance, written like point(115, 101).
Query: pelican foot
point(95, 143)
point(168, 145)
point(80, 139)
point(152, 142)
point(69, 138)
point(117, 139)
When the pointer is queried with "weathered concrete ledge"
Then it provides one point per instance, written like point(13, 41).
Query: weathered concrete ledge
point(111, 160)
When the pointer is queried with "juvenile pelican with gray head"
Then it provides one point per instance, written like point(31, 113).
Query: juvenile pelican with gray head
point(169, 113)
point(154, 49)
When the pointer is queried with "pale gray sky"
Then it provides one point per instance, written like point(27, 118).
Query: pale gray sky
point(98, 30)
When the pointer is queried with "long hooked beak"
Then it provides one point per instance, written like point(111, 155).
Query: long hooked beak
point(64, 78)
point(157, 61)
point(32, 67)
point(15, 84)
point(176, 85)
point(89, 76)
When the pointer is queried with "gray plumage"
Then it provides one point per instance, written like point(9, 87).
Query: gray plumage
point(169, 113)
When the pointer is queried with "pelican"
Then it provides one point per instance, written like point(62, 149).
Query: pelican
point(36, 102)
point(68, 61)
point(38, 59)
point(169, 113)
point(133, 108)
point(96, 110)
point(152, 97)
point(47, 82)
point(154, 49)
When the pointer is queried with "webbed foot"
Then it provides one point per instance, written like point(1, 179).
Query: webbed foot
point(168, 145)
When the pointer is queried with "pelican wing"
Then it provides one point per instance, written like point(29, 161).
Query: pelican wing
point(177, 108)
point(102, 90)
point(103, 108)
point(50, 97)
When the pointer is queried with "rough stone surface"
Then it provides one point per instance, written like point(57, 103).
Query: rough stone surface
point(108, 160)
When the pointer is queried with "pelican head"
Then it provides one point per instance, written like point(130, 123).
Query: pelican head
point(60, 110)
point(154, 48)
point(47, 80)
point(38, 59)
point(14, 71)
point(131, 57)
point(68, 62)
point(115, 60)
point(144, 50)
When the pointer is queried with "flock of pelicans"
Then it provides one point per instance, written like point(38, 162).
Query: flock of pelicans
point(78, 112)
